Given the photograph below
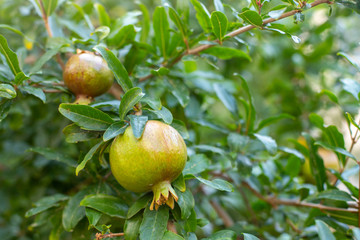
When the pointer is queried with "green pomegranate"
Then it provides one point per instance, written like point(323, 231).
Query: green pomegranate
point(150, 163)
point(87, 76)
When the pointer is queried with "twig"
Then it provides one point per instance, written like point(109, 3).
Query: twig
point(171, 226)
point(100, 236)
point(52, 91)
point(234, 33)
point(228, 222)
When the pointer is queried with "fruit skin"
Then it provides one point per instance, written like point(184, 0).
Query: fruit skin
point(87, 75)
point(150, 163)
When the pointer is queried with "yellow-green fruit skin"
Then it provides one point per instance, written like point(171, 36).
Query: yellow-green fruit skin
point(87, 74)
point(159, 155)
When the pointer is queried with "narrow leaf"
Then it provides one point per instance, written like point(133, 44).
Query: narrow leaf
point(164, 114)
point(197, 164)
point(110, 205)
point(123, 36)
point(169, 235)
point(132, 227)
point(138, 205)
point(154, 223)
point(7, 91)
point(218, 184)
point(104, 18)
point(202, 15)
point(271, 120)
point(226, 98)
point(219, 24)
point(73, 134)
point(115, 129)
point(138, 125)
point(87, 157)
point(174, 16)
point(161, 29)
point(10, 56)
point(128, 101)
point(268, 142)
point(324, 231)
point(351, 86)
point(37, 92)
point(252, 18)
point(226, 53)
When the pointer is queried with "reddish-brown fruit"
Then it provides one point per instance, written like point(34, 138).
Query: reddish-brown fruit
point(150, 163)
point(87, 75)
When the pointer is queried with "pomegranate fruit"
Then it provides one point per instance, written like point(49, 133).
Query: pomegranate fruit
point(87, 76)
point(150, 163)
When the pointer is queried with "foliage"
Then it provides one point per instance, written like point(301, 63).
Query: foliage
point(250, 86)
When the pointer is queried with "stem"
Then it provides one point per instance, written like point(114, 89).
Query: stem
point(100, 236)
point(200, 48)
point(228, 222)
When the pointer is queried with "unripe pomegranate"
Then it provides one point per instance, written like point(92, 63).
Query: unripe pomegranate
point(87, 76)
point(150, 163)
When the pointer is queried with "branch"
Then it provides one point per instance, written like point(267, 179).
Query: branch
point(234, 33)
point(228, 222)
point(100, 236)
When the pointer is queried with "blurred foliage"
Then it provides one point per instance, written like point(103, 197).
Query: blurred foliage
point(261, 115)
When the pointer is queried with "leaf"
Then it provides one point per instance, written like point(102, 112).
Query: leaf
point(179, 183)
point(249, 237)
point(10, 56)
point(132, 227)
point(123, 36)
point(37, 92)
point(351, 86)
point(222, 235)
point(324, 231)
point(226, 53)
point(49, 6)
point(73, 134)
point(161, 29)
point(180, 91)
point(197, 164)
point(101, 32)
point(116, 67)
point(252, 18)
point(164, 114)
point(115, 129)
point(226, 98)
point(237, 142)
point(336, 141)
point(138, 125)
point(202, 15)
point(86, 117)
point(218, 184)
point(350, 59)
point(8, 27)
point(356, 233)
point(7, 91)
point(219, 6)
point(154, 223)
point(336, 149)
point(268, 142)
point(145, 23)
point(219, 24)
point(52, 154)
point(93, 216)
point(138, 205)
point(152, 102)
point(271, 120)
point(87, 157)
point(352, 4)
point(352, 121)
point(20, 78)
point(178, 22)
point(4, 108)
point(169, 235)
point(333, 194)
point(128, 101)
point(181, 128)
point(104, 18)
point(110, 205)
point(186, 203)
point(331, 95)
point(46, 203)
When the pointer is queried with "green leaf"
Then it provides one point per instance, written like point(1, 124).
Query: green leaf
point(219, 6)
point(169, 235)
point(350, 59)
point(4, 108)
point(268, 142)
point(218, 184)
point(46, 203)
point(132, 227)
point(49, 6)
point(197, 164)
point(202, 15)
point(154, 223)
point(336, 141)
point(351, 86)
point(87, 157)
point(352, 4)
point(9, 55)
point(52, 154)
point(226, 98)
point(249, 237)
point(178, 22)
point(7, 91)
point(222, 235)
point(181, 128)
point(86, 117)
point(104, 18)
point(101, 32)
point(152, 102)
point(110, 205)
point(37, 92)
point(324, 231)
point(180, 91)
point(145, 23)
point(191, 222)
point(128, 101)
point(123, 36)
point(252, 18)
point(138, 205)
point(333, 194)
point(8, 27)
point(271, 120)
point(116, 67)
point(226, 53)
point(186, 203)
point(20, 78)
point(161, 29)
point(331, 95)
point(179, 183)
point(164, 114)
point(352, 121)
point(138, 124)
point(115, 129)
point(219, 24)
point(73, 134)
point(336, 149)
point(237, 142)
point(93, 216)
point(356, 233)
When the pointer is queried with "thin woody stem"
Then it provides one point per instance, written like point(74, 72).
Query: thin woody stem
point(100, 236)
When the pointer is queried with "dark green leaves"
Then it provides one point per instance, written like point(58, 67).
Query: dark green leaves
point(227, 99)
point(154, 223)
point(226, 53)
point(161, 29)
point(130, 98)
point(123, 36)
point(223, 235)
point(86, 117)
point(202, 15)
point(178, 22)
point(87, 157)
point(114, 130)
point(107, 204)
point(46, 203)
point(219, 24)
point(197, 164)
point(140, 204)
point(324, 231)
point(116, 67)
point(9, 55)
point(138, 125)
point(7, 91)
point(268, 142)
point(37, 92)
point(252, 18)
point(218, 184)
point(49, 6)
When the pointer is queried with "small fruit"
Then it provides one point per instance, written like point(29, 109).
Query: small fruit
point(150, 163)
point(87, 76)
